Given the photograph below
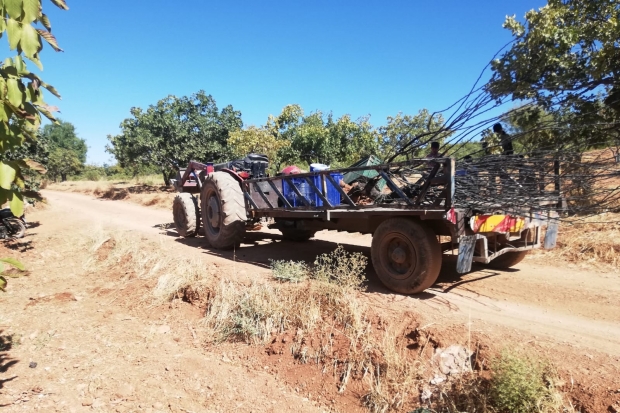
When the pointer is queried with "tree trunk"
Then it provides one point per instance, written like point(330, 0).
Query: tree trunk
point(165, 175)
point(63, 177)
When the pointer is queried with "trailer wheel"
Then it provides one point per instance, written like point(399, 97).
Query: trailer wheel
point(299, 235)
point(508, 260)
point(406, 255)
point(223, 210)
point(185, 214)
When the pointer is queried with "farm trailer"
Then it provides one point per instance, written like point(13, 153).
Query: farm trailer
point(406, 218)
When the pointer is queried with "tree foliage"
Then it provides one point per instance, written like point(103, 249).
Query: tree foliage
point(316, 138)
point(192, 128)
point(63, 162)
point(565, 54)
point(21, 92)
point(256, 140)
point(67, 151)
point(401, 129)
point(62, 135)
point(177, 130)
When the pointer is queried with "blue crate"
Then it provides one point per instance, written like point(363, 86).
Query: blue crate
point(303, 188)
point(333, 196)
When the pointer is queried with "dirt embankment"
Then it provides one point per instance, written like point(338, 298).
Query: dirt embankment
point(102, 337)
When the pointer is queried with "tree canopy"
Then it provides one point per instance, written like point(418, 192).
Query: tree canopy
point(67, 152)
point(319, 138)
point(401, 129)
point(176, 130)
point(62, 135)
point(566, 54)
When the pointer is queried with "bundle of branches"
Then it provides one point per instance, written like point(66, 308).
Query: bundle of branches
point(533, 156)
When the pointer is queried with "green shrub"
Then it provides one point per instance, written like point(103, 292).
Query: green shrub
point(520, 385)
point(340, 267)
point(290, 271)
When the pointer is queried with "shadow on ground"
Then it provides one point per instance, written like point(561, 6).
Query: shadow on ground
point(6, 362)
point(259, 248)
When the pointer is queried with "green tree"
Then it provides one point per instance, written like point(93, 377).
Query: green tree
point(21, 99)
point(21, 92)
point(566, 55)
point(36, 150)
point(257, 140)
point(316, 138)
point(64, 145)
point(175, 130)
point(63, 162)
point(402, 129)
point(62, 135)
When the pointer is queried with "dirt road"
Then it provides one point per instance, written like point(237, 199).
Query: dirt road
point(547, 300)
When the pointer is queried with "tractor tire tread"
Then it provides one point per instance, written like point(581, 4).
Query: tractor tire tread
point(186, 215)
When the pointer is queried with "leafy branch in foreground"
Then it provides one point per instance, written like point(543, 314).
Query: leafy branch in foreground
point(21, 92)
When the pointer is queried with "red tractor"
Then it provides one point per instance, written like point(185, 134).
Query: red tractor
point(221, 199)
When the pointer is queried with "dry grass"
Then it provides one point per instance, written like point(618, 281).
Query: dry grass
point(594, 241)
point(134, 258)
point(253, 313)
point(396, 378)
point(329, 321)
point(147, 190)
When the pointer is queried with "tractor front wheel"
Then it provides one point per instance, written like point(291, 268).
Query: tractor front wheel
point(185, 214)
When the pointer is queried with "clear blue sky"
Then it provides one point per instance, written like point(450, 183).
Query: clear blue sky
point(373, 58)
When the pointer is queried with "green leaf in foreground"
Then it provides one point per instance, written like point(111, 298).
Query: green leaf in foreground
point(14, 263)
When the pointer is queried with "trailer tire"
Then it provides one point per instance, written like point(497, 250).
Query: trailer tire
point(223, 211)
point(298, 235)
point(406, 255)
point(185, 214)
point(508, 260)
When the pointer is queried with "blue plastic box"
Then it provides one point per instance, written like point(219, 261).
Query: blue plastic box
point(333, 196)
point(302, 186)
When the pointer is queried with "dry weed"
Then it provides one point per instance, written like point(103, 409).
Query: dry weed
point(592, 241)
point(346, 269)
point(138, 258)
point(291, 271)
point(253, 313)
point(395, 378)
point(524, 384)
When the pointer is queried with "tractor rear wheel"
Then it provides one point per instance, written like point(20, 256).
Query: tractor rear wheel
point(185, 214)
point(406, 255)
point(223, 210)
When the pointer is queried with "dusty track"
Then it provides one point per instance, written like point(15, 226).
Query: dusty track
point(545, 300)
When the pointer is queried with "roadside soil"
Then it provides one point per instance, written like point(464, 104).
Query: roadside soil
point(98, 345)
